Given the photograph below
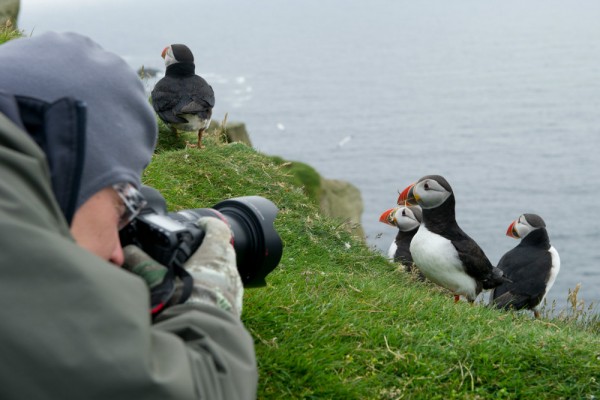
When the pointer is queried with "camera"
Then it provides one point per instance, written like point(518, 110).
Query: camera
point(171, 238)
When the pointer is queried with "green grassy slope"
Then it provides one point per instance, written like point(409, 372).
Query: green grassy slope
point(8, 32)
point(338, 321)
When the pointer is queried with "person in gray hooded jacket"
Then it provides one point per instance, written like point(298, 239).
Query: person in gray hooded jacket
point(76, 132)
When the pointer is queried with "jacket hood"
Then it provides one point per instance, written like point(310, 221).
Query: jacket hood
point(121, 128)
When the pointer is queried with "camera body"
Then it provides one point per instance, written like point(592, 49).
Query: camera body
point(171, 238)
point(165, 239)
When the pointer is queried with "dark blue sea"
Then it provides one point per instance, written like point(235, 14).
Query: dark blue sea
point(502, 97)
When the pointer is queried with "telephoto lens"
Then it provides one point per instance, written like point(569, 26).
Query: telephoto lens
point(258, 247)
point(171, 238)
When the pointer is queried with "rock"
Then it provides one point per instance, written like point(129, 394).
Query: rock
point(234, 131)
point(9, 10)
point(146, 72)
point(342, 200)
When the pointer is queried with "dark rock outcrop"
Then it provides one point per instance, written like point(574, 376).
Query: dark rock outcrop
point(234, 131)
point(343, 201)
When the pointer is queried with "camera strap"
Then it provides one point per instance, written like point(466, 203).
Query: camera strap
point(162, 294)
point(187, 283)
point(178, 258)
point(171, 290)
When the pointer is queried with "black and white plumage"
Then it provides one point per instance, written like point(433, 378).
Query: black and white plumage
point(182, 99)
point(407, 219)
point(441, 250)
point(532, 266)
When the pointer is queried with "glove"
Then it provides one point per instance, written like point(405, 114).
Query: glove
point(158, 278)
point(214, 270)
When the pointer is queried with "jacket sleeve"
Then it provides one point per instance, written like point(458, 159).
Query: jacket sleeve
point(77, 327)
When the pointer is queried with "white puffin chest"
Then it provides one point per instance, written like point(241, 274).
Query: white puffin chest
point(553, 271)
point(392, 250)
point(438, 260)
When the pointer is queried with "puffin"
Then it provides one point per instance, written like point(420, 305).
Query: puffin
point(532, 266)
point(441, 250)
point(407, 219)
point(182, 99)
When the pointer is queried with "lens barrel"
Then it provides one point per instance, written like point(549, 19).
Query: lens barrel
point(258, 247)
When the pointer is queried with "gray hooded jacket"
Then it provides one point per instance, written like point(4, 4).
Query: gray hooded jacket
point(73, 325)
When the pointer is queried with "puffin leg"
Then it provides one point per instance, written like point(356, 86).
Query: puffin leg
point(200, 132)
point(536, 314)
point(456, 298)
point(174, 131)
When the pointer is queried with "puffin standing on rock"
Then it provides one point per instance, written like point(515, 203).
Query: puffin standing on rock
point(407, 219)
point(182, 99)
point(532, 266)
point(441, 250)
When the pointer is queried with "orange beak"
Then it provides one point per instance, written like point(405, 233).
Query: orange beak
point(389, 216)
point(511, 231)
point(164, 52)
point(407, 197)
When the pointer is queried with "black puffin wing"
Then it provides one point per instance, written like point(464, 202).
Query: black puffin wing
point(201, 92)
point(194, 107)
point(169, 117)
point(197, 97)
point(476, 263)
point(510, 299)
point(165, 99)
point(402, 253)
point(528, 270)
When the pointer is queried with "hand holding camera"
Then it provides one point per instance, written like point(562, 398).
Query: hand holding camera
point(158, 278)
point(213, 267)
point(209, 254)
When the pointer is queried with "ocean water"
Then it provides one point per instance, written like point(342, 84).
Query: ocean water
point(500, 97)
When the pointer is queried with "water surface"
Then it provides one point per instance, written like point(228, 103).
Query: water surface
point(500, 97)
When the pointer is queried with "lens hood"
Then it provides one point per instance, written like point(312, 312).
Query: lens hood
point(258, 246)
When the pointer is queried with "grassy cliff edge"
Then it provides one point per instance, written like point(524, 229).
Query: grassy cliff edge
point(336, 320)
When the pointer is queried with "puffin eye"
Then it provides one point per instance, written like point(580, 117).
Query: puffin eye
point(426, 186)
point(404, 213)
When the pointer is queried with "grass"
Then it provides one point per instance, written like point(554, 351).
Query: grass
point(302, 175)
point(338, 321)
point(8, 32)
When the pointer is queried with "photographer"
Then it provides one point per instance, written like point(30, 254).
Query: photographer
point(76, 132)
